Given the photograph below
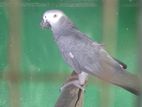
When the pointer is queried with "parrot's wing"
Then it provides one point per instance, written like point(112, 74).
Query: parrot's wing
point(94, 59)
point(90, 56)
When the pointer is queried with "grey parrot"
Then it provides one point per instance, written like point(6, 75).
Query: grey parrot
point(86, 56)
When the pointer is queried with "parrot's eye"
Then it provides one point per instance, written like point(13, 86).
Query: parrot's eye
point(55, 16)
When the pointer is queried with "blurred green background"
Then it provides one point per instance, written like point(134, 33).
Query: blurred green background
point(42, 71)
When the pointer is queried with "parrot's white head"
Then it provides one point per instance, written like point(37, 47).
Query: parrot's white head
point(51, 18)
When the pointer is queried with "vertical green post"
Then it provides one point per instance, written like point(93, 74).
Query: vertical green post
point(14, 16)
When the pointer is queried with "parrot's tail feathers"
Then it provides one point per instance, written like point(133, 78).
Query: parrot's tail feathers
point(132, 90)
point(127, 81)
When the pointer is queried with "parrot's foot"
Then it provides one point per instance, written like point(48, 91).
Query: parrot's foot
point(79, 82)
point(75, 83)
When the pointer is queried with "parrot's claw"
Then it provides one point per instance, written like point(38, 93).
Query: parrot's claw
point(75, 83)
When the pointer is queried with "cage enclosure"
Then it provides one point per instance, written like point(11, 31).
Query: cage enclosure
point(31, 67)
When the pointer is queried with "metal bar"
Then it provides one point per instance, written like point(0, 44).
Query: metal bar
point(110, 41)
point(110, 12)
point(140, 51)
point(14, 15)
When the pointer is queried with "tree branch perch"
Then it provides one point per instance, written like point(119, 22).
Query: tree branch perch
point(71, 96)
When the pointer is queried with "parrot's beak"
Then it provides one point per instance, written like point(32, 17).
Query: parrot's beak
point(45, 24)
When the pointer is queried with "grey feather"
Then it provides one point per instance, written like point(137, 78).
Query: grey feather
point(90, 57)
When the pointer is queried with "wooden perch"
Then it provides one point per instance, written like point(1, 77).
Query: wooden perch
point(71, 96)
